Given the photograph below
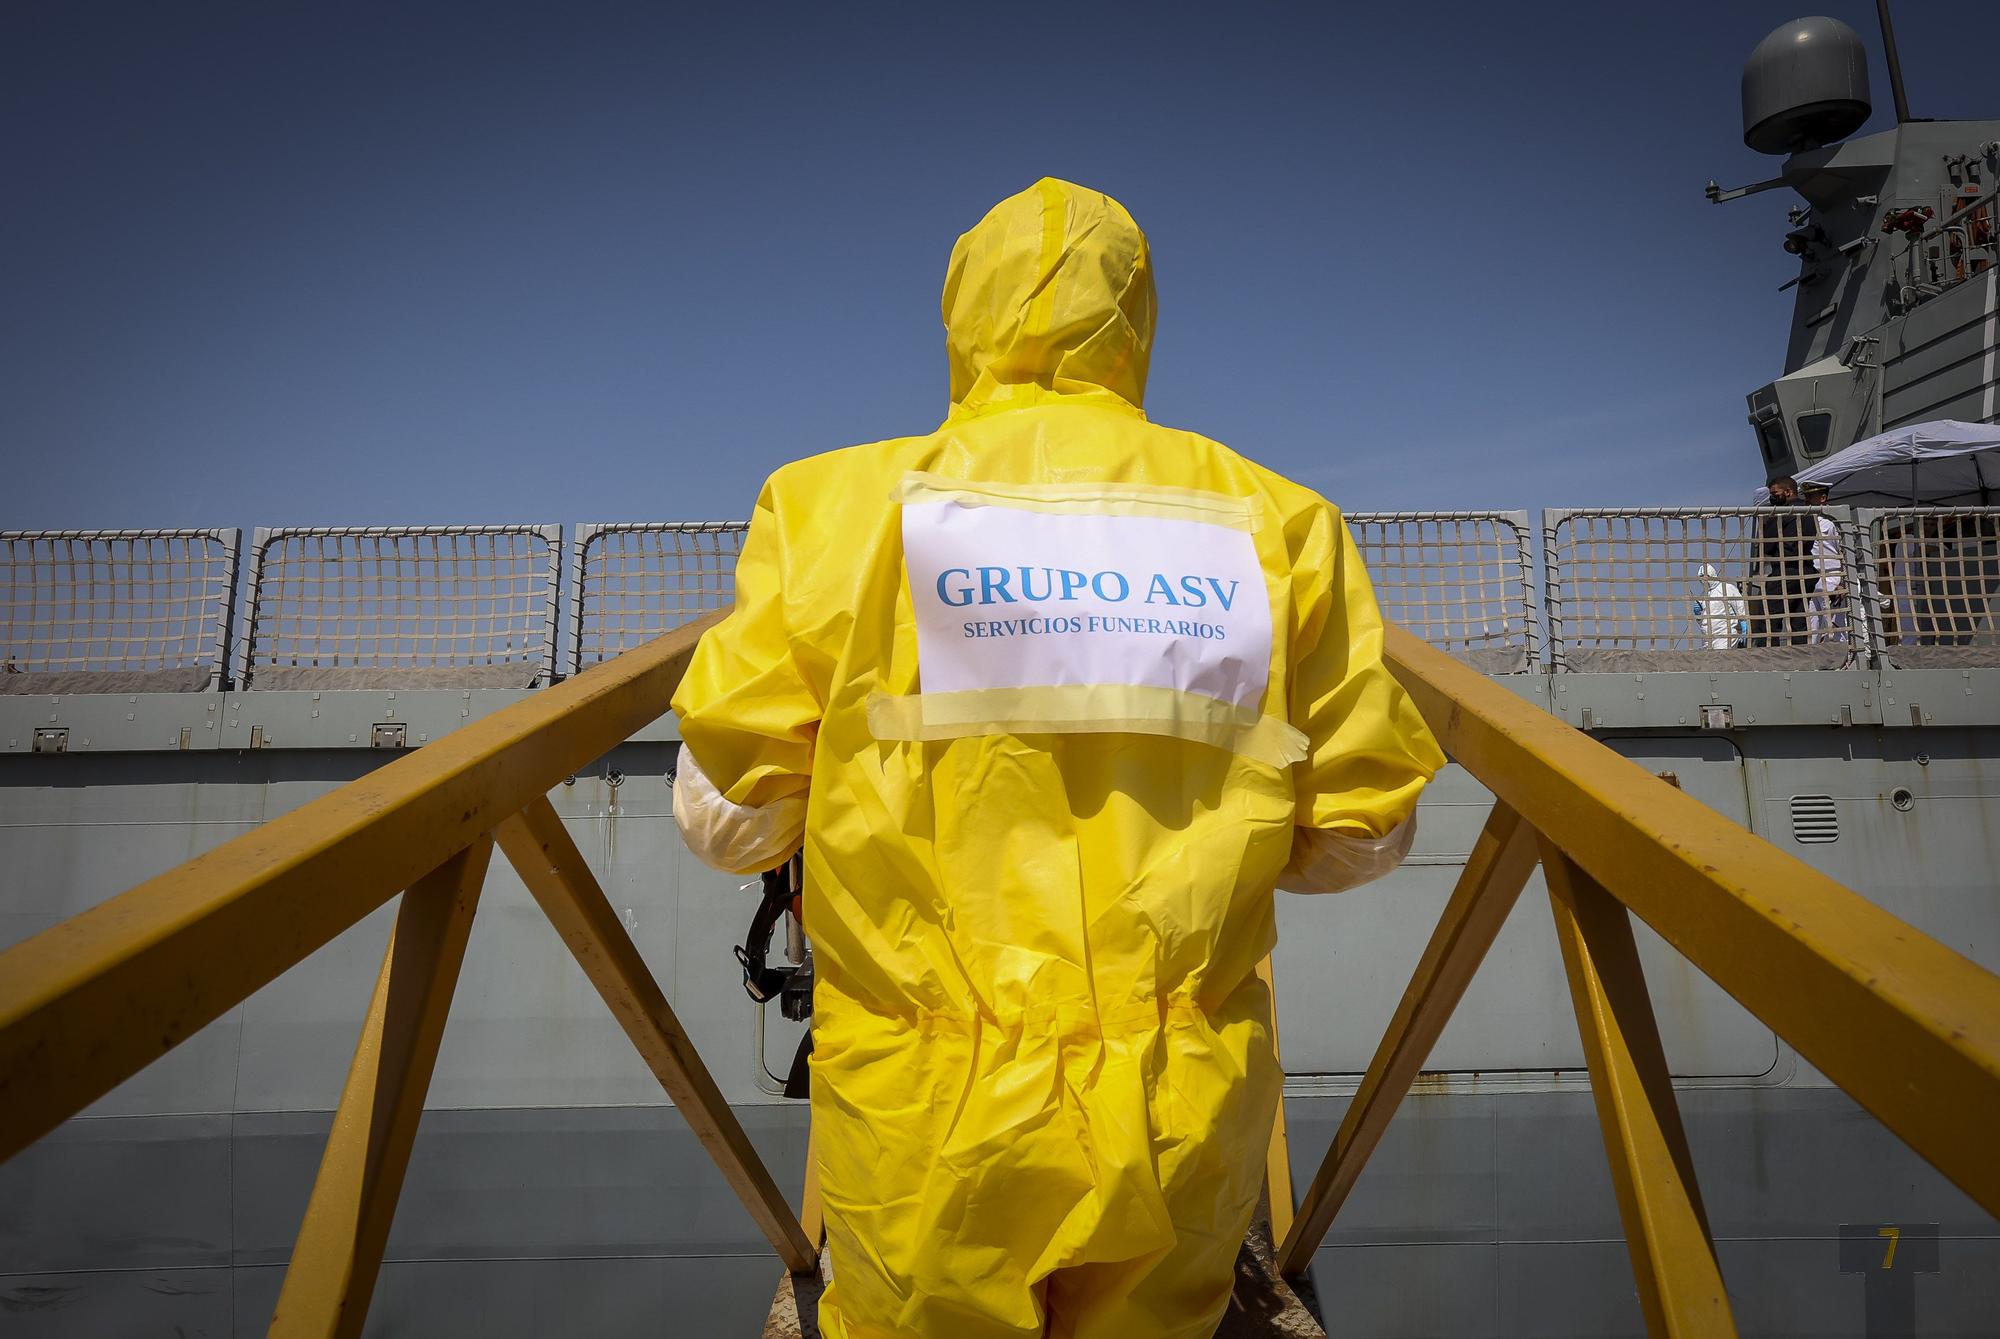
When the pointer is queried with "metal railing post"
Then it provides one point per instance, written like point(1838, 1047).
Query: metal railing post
point(232, 541)
point(1494, 874)
point(579, 559)
point(1659, 1200)
point(260, 539)
point(86, 1004)
point(338, 1252)
point(1909, 1027)
point(1861, 626)
point(551, 627)
point(1552, 571)
point(540, 849)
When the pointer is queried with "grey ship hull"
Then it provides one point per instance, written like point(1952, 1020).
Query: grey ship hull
point(553, 1191)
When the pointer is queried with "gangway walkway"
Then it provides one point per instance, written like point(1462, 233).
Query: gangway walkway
point(1908, 1027)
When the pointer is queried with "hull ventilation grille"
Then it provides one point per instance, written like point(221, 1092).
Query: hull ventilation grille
point(1814, 819)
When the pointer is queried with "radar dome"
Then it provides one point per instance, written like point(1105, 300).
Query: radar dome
point(1805, 86)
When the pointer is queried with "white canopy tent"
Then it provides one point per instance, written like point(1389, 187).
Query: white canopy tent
point(1944, 463)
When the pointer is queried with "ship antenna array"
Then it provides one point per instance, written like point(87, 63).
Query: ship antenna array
point(1895, 62)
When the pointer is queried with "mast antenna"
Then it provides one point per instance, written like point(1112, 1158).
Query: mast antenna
point(1895, 62)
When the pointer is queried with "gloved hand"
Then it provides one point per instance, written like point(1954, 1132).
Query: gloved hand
point(1332, 862)
point(734, 838)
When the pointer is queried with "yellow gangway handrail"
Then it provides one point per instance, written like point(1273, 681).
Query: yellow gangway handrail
point(88, 1003)
point(1908, 1027)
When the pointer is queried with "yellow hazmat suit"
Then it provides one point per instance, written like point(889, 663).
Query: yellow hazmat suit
point(1062, 691)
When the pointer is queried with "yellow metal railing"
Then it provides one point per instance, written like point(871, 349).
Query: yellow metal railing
point(1908, 1027)
point(90, 1002)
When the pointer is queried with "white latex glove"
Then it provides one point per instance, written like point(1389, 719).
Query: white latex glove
point(1333, 862)
point(735, 838)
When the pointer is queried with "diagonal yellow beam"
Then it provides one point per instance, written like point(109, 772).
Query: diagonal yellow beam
point(1659, 1199)
point(338, 1252)
point(1278, 1153)
point(90, 1002)
point(1494, 874)
point(1908, 1027)
point(812, 1213)
point(542, 853)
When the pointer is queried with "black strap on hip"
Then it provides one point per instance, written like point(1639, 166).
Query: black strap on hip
point(760, 979)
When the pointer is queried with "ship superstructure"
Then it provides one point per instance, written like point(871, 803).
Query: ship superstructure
point(1896, 318)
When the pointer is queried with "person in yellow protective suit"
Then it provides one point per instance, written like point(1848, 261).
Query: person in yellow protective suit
point(1053, 697)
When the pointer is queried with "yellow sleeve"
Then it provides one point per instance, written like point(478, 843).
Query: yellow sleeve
point(1370, 751)
point(746, 710)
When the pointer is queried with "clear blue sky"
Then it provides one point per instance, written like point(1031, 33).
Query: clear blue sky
point(359, 263)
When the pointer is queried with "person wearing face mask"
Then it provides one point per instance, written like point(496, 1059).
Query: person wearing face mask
point(1783, 573)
